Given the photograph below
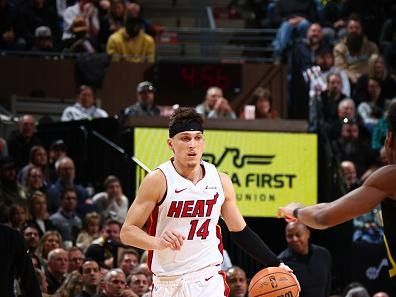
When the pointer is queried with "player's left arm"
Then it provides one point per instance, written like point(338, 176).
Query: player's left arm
point(241, 234)
point(376, 188)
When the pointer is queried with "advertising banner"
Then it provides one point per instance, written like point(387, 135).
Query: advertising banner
point(268, 169)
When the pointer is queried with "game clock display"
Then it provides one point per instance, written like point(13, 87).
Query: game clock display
point(192, 77)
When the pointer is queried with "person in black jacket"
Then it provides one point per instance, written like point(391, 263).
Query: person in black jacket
point(16, 263)
point(310, 263)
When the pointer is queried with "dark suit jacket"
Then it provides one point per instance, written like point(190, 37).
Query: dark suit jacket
point(15, 262)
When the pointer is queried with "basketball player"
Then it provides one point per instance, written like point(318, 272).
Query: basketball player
point(181, 202)
point(380, 187)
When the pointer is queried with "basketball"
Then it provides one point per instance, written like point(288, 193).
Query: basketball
point(273, 282)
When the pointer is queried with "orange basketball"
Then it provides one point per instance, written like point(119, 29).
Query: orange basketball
point(273, 282)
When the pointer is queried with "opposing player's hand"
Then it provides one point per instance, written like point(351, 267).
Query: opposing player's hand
point(171, 239)
point(283, 265)
point(287, 211)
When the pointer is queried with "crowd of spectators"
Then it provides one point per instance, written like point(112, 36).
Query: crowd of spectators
point(71, 233)
point(116, 27)
point(341, 80)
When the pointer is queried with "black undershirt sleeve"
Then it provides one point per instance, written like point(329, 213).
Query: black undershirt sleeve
point(254, 246)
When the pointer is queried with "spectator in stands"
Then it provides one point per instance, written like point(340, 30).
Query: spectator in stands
point(49, 241)
point(263, 105)
point(17, 216)
point(42, 281)
point(333, 20)
point(38, 207)
point(85, 9)
point(35, 181)
point(104, 250)
point(58, 264)
point(130, 43)
point(22, 140)
point(10, 190)
point(347, 111)
point(66, 173)
point(138, 283)
point(371, 108)
point(66, 219)
point(38, 158)
point(114, 284)
point(36, 261)
point(112, 203)
point(145, 105)
point(76, 258)
point(348, 170)
point(302, 59)
point(332, 96)
point(91, 277)
point(377, 70)
point(37, 14)
point(325, 60)
point(112, 20)
point(84, 108)
point(128, 260)
point(215, 105)
point(323, 106)
point(32, 237)
point(78, 42)
point(42, 41)
point(371, 13)
point(351, 53)
point(16, 264)
point(388, 41)
point(90, 231)
point(143, 267)
point(356, 290)
point(71, 286)
point(135, 9)
point(236, 280)
point(57, 150)
point(349, 146)
point(310, 263)
point(379, 133)
point(368, 227)
point(294, 18)
point(8, 38)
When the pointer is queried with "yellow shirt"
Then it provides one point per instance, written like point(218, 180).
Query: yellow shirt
point(137, 50)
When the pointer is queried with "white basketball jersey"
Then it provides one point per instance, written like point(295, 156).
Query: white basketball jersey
point(193, 211)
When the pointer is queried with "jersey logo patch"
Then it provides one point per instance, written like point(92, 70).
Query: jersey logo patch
point(179, 190)
point(207, 279)
point(210, 188)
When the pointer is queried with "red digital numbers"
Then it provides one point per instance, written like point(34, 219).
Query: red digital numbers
point(188, 75)
point(204, 76)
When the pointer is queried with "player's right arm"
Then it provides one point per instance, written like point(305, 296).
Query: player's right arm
point(150, 192)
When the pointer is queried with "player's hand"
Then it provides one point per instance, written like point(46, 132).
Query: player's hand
point(171, 239)
point(284, 266)
point(287, 211)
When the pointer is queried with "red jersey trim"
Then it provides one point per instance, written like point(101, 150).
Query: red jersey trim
point(151, 229)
